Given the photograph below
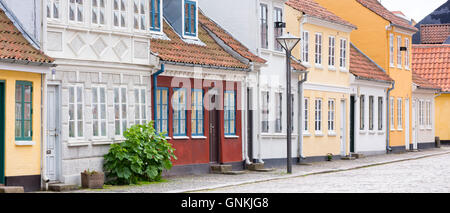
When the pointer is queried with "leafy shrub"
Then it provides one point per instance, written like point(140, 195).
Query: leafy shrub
point(141, 157)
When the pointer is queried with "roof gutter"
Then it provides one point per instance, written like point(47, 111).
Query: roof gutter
point(23, 62)
point(207, 66)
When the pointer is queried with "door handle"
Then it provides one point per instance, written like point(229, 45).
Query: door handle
point(49, 152)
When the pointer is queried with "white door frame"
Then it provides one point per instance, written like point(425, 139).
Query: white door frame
point(54, 151)
point(407, 125)
point(343, 128)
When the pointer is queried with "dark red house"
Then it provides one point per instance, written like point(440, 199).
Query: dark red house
point(197, 93)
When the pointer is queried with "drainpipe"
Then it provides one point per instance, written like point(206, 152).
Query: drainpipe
point(44, 132)
point(155, 85)
point(388, 120)
point(300, 116)
point(260, 160)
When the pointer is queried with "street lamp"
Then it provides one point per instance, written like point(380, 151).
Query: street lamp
point(288, 42)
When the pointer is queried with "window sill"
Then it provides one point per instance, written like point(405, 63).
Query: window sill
point(231, 136)
point(372, 132)
point(306, 64)
point(362, 132)
point(318, 66)
point(342, 69)
point(331, 68)
point(381, 132)
point(77, 143)
point(198, 137)
point(400, 130)
point(333, 134)
point(307, 134)
point(180, 137)
point(319, 134)
point(101, 142)
point(25, 143)
point(399, 67)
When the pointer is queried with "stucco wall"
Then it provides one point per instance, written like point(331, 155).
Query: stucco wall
point(442, 116)
point(22, 160)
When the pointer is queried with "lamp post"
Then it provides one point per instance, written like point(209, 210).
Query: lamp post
point(288, 42)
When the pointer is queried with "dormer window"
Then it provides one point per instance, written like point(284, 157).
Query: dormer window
point(120, 13)
point(53, 9)
point(76, 10)
point(98, 12)
point(139, 15)
point(190, 18)
point(155, 15)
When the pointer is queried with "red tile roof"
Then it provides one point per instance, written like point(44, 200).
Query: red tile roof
point(433, 63)
point(177, 50)
point(434, 33)
point(363, 67)
point(14, 46)
point(312, 8)
point(380, 10)
point(228, 39)
point(423, 82)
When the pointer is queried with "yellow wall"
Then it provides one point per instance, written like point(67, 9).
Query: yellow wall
point(442, 116)
point(372, 38)
point(321, 144)
point(21, 160)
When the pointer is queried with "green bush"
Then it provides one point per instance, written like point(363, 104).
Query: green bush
point(141, 157)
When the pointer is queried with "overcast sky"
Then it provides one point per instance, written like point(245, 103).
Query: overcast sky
point(415, 9)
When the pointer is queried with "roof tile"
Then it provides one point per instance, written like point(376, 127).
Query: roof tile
point(312, 8)
point(361, 66)
point(14, 46)
point(434, 33)
point(432, 62)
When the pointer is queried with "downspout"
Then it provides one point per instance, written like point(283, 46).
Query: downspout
point(155, 86)
point(300, 101)
point(260, 160)
point(388, 120)
point(300, 116)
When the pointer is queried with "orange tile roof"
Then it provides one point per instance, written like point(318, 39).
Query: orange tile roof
point(312, 8)
point(14, 46)
point(228, 39)
point(363, 67)
point(434, 33)
point(423, 82)
point(433, 63)
point(380, 10)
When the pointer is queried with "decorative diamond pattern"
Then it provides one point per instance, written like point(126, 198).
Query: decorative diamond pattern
point(99, 46)
point(77, 44)
point(120, 48)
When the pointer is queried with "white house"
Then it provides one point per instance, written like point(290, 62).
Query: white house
point(423, 113)
point(252, 23)
point(369, 85)
point(102, 83)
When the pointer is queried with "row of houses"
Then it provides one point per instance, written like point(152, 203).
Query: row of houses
point(209, 74)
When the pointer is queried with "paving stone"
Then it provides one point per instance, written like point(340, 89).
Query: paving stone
point(11, 189)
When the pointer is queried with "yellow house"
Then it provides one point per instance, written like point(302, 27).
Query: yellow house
point(22, 67)
point(386, 38)
point(325, 51)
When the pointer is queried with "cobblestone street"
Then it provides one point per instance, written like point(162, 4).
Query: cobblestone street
point(424, 171)
point(426, 175)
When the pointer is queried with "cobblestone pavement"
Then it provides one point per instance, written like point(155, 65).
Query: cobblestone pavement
point(424, 171)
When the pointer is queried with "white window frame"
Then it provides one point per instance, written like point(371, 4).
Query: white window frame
point(121, 13)
point(305, 47)
point(120, 103)
point(392, 114)
point(407, 54)
point(76, 112)
point(183, 20)
point(429, 114)
point(399, 52)
point(278, 112)
point(277, 18)
point(99, 119)
point(391, 50)
point(141, 15)
point(318, 43)
point(343, 54)
point(77, 6)
point(306, 115)
point(399, 114)
point(318, 116)
point(331, 52)
point(371, 113)
point(97, 9)
point(362, 112)
point(331, 116)
point(380, 113)
point(264, 25)
point(140, 103)
point(421, 114)
point(265, 111)
point(51, 5)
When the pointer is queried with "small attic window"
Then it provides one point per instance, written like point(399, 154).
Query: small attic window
point(190, 18)
point(155, 15)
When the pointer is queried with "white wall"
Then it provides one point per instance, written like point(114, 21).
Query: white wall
point(28, 12)
point(369, 141)
point(426, 133)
